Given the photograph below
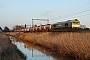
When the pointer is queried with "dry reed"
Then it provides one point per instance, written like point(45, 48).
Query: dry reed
point(66, 43)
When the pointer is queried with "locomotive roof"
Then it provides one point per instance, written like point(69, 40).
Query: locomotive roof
point(75, 20)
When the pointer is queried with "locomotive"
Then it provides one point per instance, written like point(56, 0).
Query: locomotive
point(69, 25)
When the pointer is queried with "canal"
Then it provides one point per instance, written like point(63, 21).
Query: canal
point(36, 52)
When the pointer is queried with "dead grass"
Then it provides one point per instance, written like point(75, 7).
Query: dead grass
point(67, 43)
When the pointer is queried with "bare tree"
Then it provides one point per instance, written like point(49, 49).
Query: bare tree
point(6, 29)
point(18, 27)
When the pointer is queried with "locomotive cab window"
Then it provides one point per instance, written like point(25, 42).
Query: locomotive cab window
point(76, 22)
point(54, 25)
point(66, 24)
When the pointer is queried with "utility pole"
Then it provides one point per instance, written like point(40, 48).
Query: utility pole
point(25, 26)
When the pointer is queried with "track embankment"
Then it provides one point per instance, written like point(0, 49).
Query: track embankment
point(8, 51)
point(75, 44)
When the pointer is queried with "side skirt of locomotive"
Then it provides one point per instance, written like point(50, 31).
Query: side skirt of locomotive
point(68, 29)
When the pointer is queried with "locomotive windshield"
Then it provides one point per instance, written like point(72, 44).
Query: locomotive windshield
point(76, 22)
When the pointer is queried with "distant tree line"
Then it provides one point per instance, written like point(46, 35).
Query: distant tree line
point(6, 29)
point(0, 28)
point(18, 27)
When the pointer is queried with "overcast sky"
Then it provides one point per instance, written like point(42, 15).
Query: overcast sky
point(20, 12)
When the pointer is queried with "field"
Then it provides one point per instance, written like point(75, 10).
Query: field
point(76, 44)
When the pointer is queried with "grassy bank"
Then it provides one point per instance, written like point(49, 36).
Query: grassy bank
point(8, 51)
point(66, 43)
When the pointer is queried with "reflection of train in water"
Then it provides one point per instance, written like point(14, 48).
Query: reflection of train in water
point(69, 25)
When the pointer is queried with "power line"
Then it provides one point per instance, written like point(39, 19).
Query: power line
point(77, 13)
point(80, 16)
point(73, 16)
point(74, 9)
point(71, 10)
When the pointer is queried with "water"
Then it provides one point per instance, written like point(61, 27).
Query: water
point(36, 52)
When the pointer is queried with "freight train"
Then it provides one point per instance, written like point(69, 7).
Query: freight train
point(69, 25)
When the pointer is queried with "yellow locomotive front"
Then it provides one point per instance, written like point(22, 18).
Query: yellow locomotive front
point(75, 23)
